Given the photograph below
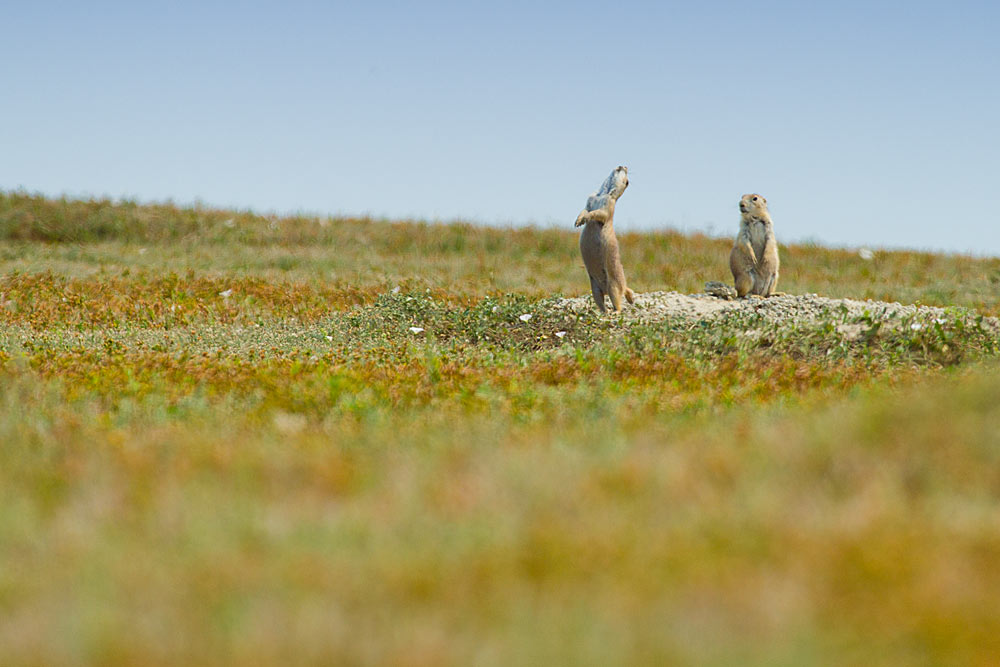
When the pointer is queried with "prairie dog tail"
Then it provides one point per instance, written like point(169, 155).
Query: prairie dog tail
point(629, 295)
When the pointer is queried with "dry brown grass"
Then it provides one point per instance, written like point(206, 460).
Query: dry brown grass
point(457, 258)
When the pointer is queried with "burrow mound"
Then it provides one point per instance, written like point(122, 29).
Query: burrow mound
point(794, 309)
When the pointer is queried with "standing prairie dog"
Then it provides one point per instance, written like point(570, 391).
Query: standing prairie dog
point(754, 258)
point(599, 246)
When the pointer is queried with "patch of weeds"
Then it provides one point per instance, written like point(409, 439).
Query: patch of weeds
point(508, 322)
point(875, 338)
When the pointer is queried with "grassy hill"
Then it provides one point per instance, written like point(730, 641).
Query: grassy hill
point(220, 440)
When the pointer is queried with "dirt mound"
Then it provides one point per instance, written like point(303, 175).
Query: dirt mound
point(655, 306)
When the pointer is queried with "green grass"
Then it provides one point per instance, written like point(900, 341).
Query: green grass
point(221, 442)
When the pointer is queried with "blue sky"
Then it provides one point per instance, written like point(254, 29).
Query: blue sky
point(864, 124)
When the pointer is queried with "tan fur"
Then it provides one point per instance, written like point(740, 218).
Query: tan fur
point(599, 247)
point(754, 257)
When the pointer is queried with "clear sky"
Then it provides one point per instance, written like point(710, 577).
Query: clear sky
point(863, 123)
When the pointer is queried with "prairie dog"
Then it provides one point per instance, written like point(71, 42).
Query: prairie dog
point(754, 258)
point(599, 246)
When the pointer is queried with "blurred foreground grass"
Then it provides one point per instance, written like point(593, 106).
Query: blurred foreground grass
point(221, 442)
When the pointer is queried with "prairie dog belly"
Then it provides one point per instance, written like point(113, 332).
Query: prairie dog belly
point(758, 236)
point(593, 247)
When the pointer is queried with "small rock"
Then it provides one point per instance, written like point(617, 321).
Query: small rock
point(720, 290)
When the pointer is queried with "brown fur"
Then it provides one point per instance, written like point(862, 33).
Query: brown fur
point(754, 257)
point(601, 257)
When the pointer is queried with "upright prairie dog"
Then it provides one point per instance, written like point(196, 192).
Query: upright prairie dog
point(754, 258)
point(598, 243)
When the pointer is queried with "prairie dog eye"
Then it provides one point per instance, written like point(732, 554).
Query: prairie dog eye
point(755, 199)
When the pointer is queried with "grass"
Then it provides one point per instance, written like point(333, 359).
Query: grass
point(221, 442)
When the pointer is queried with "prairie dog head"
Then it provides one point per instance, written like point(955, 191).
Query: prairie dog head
point(614, 185)
point(754, 206)
point(612, 188)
